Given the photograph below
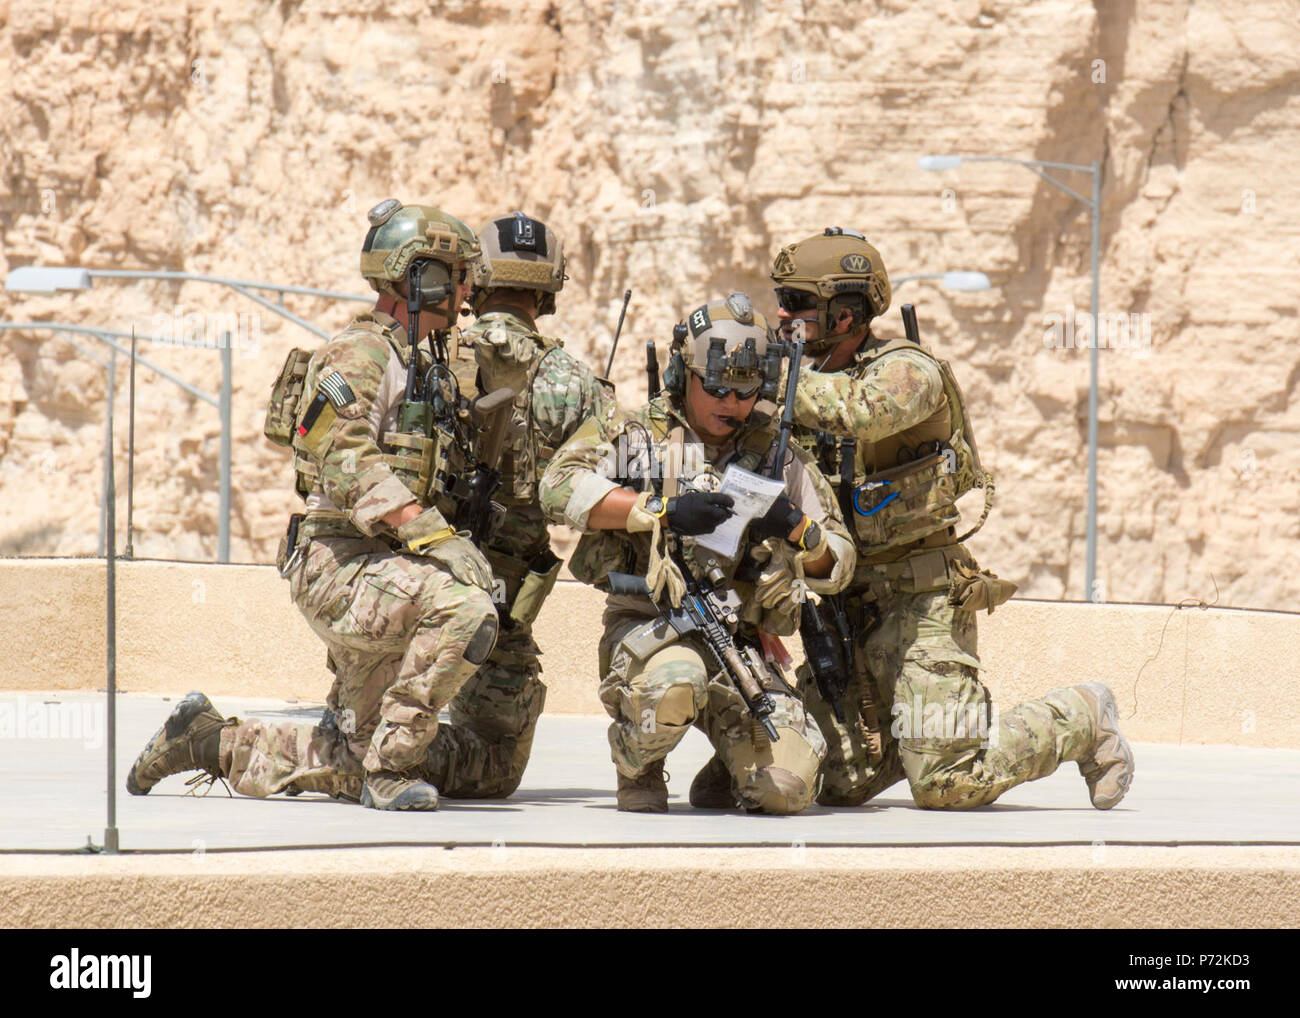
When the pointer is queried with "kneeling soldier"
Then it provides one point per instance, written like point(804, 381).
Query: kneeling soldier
point(379, 565)
point(644, 490)
point(483, 752)
point(893, 415)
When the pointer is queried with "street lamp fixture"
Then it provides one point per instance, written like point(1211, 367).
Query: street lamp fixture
point(967, 281)
point(46, 279)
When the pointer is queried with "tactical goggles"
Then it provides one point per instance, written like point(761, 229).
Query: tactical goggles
point(723, 391)
point(793, 301)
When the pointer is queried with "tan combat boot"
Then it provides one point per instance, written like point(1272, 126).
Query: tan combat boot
point(646, 793)
point(189, 740)
point(1108, 765)
point(392, 790)
point(712, 788)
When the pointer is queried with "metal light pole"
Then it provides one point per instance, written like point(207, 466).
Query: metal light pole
point(51, 279)
point(1038, 166)
point(130, 460)
point(105, 336)
point(223, 511)
point(110, 598)
point(108, 446)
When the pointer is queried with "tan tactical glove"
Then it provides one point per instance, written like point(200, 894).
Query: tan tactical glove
point(430, 535)
point(663, 577)
point(781, 588)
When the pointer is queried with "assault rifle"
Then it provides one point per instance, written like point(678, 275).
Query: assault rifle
point(703, 613)
point(830, 653)
point(777, 470)
point(476, 512)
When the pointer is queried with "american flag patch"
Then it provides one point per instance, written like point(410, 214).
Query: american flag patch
point(336, 389)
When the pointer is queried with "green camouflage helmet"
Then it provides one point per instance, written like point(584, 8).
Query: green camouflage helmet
point(521, 253)
point(724, 342)
point(401, 233)
point(832, 270)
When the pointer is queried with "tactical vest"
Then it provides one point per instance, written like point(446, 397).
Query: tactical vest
point(601, 552)
point(426, 460)
point(522, 451)
point(906, 486)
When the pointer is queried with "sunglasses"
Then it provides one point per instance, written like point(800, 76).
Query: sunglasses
point(794, 301)
point(723, 391)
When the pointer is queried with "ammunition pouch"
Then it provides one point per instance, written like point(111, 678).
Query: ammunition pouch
point(282, 417)
point(650, 637)
point(520, 591)
point(947, 567)
point(972, 588)
point(286, 395)
point(901, 505)
point(535, 587)
point(423, 463)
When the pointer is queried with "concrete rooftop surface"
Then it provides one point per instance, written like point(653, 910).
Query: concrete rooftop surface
point(52, 798)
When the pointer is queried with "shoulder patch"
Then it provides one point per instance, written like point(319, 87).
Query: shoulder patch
point(334, 387)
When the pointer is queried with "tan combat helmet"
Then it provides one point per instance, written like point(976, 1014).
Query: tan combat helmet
point(521, 253)
point(833, 270)
point(727, 344)
point(399, 234)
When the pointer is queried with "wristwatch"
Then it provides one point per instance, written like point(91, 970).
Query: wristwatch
point(656, 505)
point(811, 536)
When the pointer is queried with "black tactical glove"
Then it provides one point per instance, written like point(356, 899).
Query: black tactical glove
point(779, 520)
point(697, 512)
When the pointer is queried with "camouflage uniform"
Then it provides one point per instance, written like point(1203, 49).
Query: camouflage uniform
point(916, 680)
point(483, 752)
point(403, 633)
point(655, 685)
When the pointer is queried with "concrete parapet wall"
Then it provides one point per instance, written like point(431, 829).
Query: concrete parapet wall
point(1182, 675)
point(1074, 887)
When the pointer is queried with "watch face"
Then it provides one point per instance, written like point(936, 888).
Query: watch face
point(655, 505)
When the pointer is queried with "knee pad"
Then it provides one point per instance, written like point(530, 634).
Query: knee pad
point(677, 705)
point(780, 779)
point(776, 791)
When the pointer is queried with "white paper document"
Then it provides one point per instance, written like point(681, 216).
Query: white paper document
point(754, 495)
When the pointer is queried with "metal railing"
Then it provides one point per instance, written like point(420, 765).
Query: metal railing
point(50, 279)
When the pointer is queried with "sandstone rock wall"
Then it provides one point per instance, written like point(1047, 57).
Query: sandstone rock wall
point(676, 147)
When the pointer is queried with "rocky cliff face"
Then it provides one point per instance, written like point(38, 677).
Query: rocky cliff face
point(676, 148)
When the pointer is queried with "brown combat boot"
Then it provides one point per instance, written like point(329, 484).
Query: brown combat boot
point(712, 788)
point(189, 740)
point(1108, 765)
point(646, 793)
point(393, 790)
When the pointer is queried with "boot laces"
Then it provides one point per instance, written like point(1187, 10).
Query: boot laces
point(205, 780)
